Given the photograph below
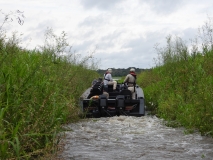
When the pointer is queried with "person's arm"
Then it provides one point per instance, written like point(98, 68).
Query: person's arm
point(110, 77)
point(126, 79)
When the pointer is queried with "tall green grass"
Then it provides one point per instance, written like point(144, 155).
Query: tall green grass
point(180, 87)
point(39, 92)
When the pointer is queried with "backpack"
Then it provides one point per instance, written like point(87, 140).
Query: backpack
point(97, 88)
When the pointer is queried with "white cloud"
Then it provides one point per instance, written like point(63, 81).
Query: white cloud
point(99, 4)
point(122, 32)
point(165, 6)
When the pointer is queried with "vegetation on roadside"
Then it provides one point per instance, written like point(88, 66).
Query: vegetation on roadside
point(180, 87)
point(39, 91)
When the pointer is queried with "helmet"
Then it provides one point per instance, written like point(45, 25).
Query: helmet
point(132, 70)
point(109, 70)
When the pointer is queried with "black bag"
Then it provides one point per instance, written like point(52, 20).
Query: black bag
point(97, 88)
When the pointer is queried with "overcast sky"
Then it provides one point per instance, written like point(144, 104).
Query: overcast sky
point(123, 33)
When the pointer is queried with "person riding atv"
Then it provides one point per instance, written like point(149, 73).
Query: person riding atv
point(131, 81)
point(108, 80)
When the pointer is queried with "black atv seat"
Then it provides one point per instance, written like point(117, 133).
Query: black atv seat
point(108, 88)
point(127, 93)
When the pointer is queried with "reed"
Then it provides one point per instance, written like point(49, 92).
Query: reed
point(39, 91)
point(180, 87)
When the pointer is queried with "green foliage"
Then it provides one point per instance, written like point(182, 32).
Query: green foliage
point(148, 80)
point(120, 72)
point(180, 87)
point(39, 92)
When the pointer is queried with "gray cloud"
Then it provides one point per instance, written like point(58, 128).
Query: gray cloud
point(125, 32)
point(141, 53)
point(101, 4)
point(137, 52)
point(93, 21)
point(83, 46)
point(165, 6)
point(189, 34)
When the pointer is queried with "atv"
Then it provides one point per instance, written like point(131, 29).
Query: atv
point(113, 103)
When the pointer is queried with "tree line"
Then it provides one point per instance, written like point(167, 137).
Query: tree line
point(120, 72)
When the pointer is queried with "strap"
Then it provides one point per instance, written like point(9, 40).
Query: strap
point(105, 76)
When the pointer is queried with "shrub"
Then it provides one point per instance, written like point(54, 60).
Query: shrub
point(39, 91)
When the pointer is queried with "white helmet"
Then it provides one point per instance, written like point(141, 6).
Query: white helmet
point(132, 70)
point(109, 70)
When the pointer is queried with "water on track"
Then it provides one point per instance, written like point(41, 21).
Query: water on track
point(135, 138)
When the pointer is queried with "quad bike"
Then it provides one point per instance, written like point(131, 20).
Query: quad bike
point(113, 103)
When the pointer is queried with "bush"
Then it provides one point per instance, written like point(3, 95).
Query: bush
point(180, 87)
point(39, 91)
